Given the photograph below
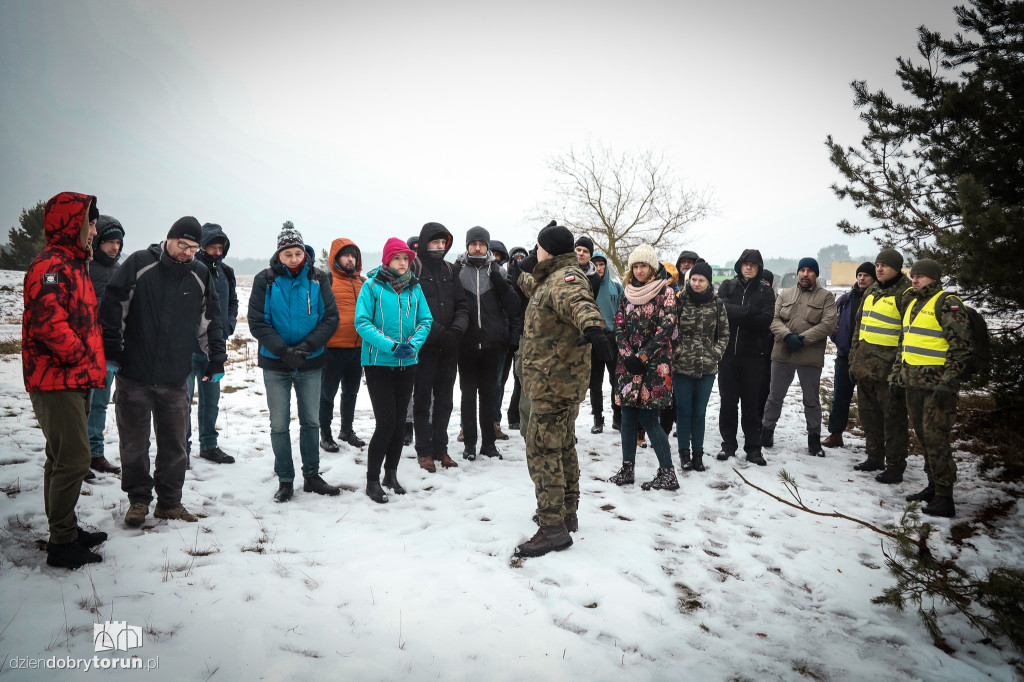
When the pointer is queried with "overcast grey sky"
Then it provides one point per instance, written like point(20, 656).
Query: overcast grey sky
point(366, 120)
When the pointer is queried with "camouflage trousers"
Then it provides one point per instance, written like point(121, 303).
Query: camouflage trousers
point(551, 459)
point(932, 413)
point(884, 420)
point(524, 400)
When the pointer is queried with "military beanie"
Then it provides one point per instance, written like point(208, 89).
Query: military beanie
point(555, 239)
point(890, 257)
point(928, 268)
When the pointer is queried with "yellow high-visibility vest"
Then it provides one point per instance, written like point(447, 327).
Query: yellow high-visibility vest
point(880, 321)
point(924, 342)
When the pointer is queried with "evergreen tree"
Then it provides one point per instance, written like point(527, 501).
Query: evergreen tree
point(942, 174)
point(26, 240)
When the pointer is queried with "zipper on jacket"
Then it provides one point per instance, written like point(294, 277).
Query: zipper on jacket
point(309, 304)
point(479, 314)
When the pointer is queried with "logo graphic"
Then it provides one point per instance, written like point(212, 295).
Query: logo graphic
point(116, 636)
point(50, 278)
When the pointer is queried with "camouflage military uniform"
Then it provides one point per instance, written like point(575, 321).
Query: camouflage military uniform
point(882, 412)
point(555, 377)
point(932, 389)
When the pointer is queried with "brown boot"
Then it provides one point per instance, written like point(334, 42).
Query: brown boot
point(461, 437)
point(447, 462)
point(834, 440)
point(498, 433)
point(427, 464)
point(547, 539)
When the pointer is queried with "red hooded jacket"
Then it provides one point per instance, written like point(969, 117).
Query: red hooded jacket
point(61, 341)
point(346, 291)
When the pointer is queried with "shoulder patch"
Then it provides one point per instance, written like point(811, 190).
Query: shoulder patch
point(570, 278)
point(51, 278)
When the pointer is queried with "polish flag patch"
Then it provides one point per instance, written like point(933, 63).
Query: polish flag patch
point(570, 278)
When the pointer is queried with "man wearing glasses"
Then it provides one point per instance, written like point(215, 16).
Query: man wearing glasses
point(154, 309)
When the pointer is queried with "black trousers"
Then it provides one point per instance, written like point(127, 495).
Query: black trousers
point(739, 385)
point(597, 374)
point(435, 378)
point(477, 369)
point(390, 389)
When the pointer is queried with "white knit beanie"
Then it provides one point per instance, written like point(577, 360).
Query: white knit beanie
point(644, 253)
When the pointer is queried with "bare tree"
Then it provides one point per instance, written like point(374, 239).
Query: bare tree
point(622, 201)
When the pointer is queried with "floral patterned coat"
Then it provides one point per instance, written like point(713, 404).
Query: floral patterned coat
point(648, 331)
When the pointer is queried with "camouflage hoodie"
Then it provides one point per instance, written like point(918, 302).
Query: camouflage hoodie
point(556, 368)
point(703, 335)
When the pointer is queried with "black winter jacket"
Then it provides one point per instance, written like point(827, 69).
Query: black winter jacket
point(751, 307)
point(153, 310)
point(102, 267)
point(495, 312)
point(223, 278)
point(440, 283)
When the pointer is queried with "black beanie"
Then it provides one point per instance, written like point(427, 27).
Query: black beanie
point(478, 234)
point(94, 213)
point(587, 243)
point(868, 268)
point(186, 228)
point(701, 267)
point(555, 239)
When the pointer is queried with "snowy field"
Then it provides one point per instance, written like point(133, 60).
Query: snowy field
point(715, 581)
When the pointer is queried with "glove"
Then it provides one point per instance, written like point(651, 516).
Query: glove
point(793, 342)
point(528, 263)
point(113, 366)
point(635, 365)
point(598, 341)
point(404, 350)
point(452, 338)
point(215, 372)
point(294, 356)
point(494, 270)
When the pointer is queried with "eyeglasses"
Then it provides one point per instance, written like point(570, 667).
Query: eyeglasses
point(188, 247)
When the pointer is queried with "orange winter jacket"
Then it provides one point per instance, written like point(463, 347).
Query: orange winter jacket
point(346, 290)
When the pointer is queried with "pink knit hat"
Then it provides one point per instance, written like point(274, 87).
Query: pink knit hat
point(395, 246)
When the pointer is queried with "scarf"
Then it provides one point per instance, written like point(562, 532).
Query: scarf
point(397, 282)
point(638, 295)
point(700, 298)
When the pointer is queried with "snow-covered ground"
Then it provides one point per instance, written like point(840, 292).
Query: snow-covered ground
point(715, 581)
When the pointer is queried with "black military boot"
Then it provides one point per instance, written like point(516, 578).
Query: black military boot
point(284, 492)
point(327, 443)
point(547, 539)
point(768, 437)
point(724, 454)
point(684, 460)
point(375, 492)
point(72, 555)
point(391, 481)
point(890, 476)
point(926, 495)
point(598, 426)
point(572, 522)
point(316, 484)
point(814, 443)
point(90, 540)
point(869, 465)
point(697, 462)
point(940, 506)
point(756, 458)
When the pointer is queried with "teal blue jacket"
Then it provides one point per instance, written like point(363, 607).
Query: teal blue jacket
point(385, 318)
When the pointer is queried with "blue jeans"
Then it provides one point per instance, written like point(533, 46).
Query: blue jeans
point(209, 405)
point(99, 398)
point(692, 395)
point(279, 401)
point(342, 368)
point(649, 420)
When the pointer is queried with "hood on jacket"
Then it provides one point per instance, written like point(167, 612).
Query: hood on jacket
point(498, 247)
point(65, 220)
point(754, 256)
point(336, 246)
point(610, 273)
point(430, 232)
point(686, 253)
point(518, 250)
point(212, 231)
point(672, 271)
point(107, 229)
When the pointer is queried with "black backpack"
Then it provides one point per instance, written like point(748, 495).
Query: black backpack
point(979, 365)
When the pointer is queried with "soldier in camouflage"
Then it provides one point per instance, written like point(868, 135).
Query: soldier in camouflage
point(935, 347)
point(882, 409)
point(561, 318)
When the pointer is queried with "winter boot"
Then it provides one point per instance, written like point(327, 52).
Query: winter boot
point(70, 555)
point(684, 460)
point(498, 433)
point(641, 439)
point(757, 458)
point(469, 453)
point(767, 436)
point(90, 540)
point(547, 539)
point(136, 515)
point(834, 440)
point(349, 436)
point(598, 426)
point(890, 476)
point(284, 492)
point(103, 465)
point(926, 495)
point(427, 464)
point(179, 513)
point(218, 456)
point(447, 462)
point(869, 465)
point(625, 475)
point(940, 506)
point(375, 492)
point(814, 443)
point(462, 436)
point(316, 484)
point(724, 454)
point(665, 479)
point(490, 450)
point(698, 461)
point(327, 443)
point(616, 423)
point(391, 481)
point(408, 434)
point(572, 522)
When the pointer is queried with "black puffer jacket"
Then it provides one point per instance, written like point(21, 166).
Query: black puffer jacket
point(152, 312)
point(102, 267)
point(495, 312)
point(751, 307)
point(440, 283)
